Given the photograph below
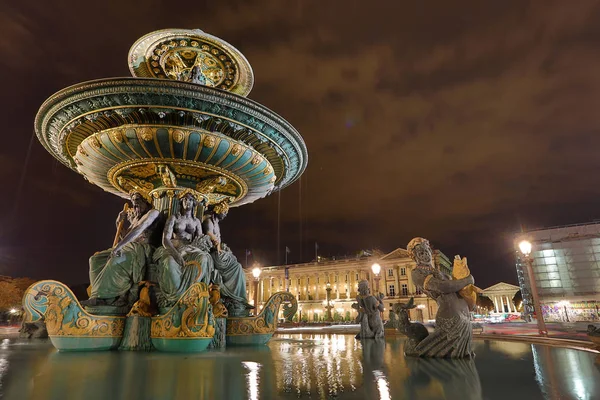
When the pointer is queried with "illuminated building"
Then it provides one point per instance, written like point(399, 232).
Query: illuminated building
point(566, 269)
point(308, 281)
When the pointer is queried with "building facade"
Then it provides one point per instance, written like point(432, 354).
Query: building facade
point(308, 282)
point(566, 269)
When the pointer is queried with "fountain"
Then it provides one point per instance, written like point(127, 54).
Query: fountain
point(184, 144)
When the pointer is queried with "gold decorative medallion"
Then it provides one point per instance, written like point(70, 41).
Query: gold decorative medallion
point(117, 135)
point(95, 142)
point(178, 135)
point(209, 141)
point(146, 133)
point(237, 149)
point(256, 160)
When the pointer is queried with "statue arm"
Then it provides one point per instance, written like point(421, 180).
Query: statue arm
point(208, 226)
point(168, 244)
point(137, 229)
point(439, 285)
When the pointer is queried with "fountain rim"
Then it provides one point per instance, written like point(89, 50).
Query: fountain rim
point(287, 129)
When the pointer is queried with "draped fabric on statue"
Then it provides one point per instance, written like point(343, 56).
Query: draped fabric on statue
point(114, 276)
point(453, 333)
point(175, 279)
point(229, 274)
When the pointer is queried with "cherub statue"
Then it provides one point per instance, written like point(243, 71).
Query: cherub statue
point(369, 313)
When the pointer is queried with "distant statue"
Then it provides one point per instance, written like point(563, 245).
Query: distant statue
point(415, 331)
point(183, 258)
point(453, 333)
point(115, 273)
point(369, 313)
point(229, 274)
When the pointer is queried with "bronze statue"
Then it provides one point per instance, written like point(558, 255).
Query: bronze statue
point(369, 313)
point(415, 331)
point(229, 274)
point(453, 333)
point(184, 257)
point(115, 273)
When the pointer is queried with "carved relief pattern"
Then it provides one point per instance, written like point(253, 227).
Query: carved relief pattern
point(266, 321)
point(190, 317)
point(63, 314)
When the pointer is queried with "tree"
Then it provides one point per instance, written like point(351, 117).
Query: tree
point(485, 302)
point(10, 296)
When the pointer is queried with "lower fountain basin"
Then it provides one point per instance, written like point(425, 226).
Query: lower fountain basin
point(299, 366)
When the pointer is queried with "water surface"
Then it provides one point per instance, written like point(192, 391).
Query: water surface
point(299, 366)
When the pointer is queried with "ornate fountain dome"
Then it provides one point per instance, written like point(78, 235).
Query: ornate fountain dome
point(182, 122)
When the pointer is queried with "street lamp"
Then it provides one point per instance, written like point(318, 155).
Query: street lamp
point(14, 311)
point(376, 268)
point(256, 274)
point(328, 306)
point(525, 247)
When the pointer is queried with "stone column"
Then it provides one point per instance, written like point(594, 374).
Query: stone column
point(495, 304)
point(501, 304)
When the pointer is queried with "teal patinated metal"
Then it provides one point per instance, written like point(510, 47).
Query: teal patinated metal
point(181, 141)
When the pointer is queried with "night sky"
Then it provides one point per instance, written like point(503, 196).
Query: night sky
point(459, 121)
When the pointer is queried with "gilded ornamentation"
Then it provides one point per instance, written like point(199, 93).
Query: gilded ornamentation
point(211, 184)
point(237, 149)
point(221, 208)
point(273, 179)
point(268, 170)
point(190, 317)
point(117, 135)
point(194, 193)
point(129, 183)
point(178, 135)
point(266, 321)
point(146, 133)
point(219, 309)
point(57, 305)
point(209, 141)
point(95, 142)
point(256, 160)
point(166, 175)
point(82, 151)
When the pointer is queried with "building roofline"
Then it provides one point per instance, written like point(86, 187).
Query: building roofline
point(595, 222)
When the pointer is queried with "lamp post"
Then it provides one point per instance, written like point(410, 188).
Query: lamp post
point(328, 305)
point(525, 247)
point(376, 268)
point(256, 274)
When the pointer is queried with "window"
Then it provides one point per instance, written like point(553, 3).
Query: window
point(390, 272)
point(308, 281)
point(298, 281)
point(418, 291)
point(403, 271)
point(317, 279)
point(335, 279)
point(392, 290)
point(357, 276)
point(346, 277)
point(404, 289)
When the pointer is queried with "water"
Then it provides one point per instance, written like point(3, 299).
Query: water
point(299, 366)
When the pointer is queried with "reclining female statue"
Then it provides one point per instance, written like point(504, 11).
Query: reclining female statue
point(453, 332)
point(229, 274)
point(184, 257)
point(116, 272)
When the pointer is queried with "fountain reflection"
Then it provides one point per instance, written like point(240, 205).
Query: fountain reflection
point(457, 378)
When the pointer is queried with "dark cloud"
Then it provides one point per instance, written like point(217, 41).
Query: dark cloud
point(459, 121)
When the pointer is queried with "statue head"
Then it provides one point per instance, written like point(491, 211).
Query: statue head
point(188, 200)
point(140, 201)
point(420, 251)
point(363, 287)
point(221, 209)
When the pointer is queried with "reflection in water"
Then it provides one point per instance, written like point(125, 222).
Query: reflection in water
point(298, 366)
point(253, 369)
point(458, 378)
point(565, 373)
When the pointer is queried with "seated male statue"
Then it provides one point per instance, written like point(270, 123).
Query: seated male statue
point(115, 273)
point(229, 274)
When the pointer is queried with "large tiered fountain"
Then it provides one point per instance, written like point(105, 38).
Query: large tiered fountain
point(179, 135)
